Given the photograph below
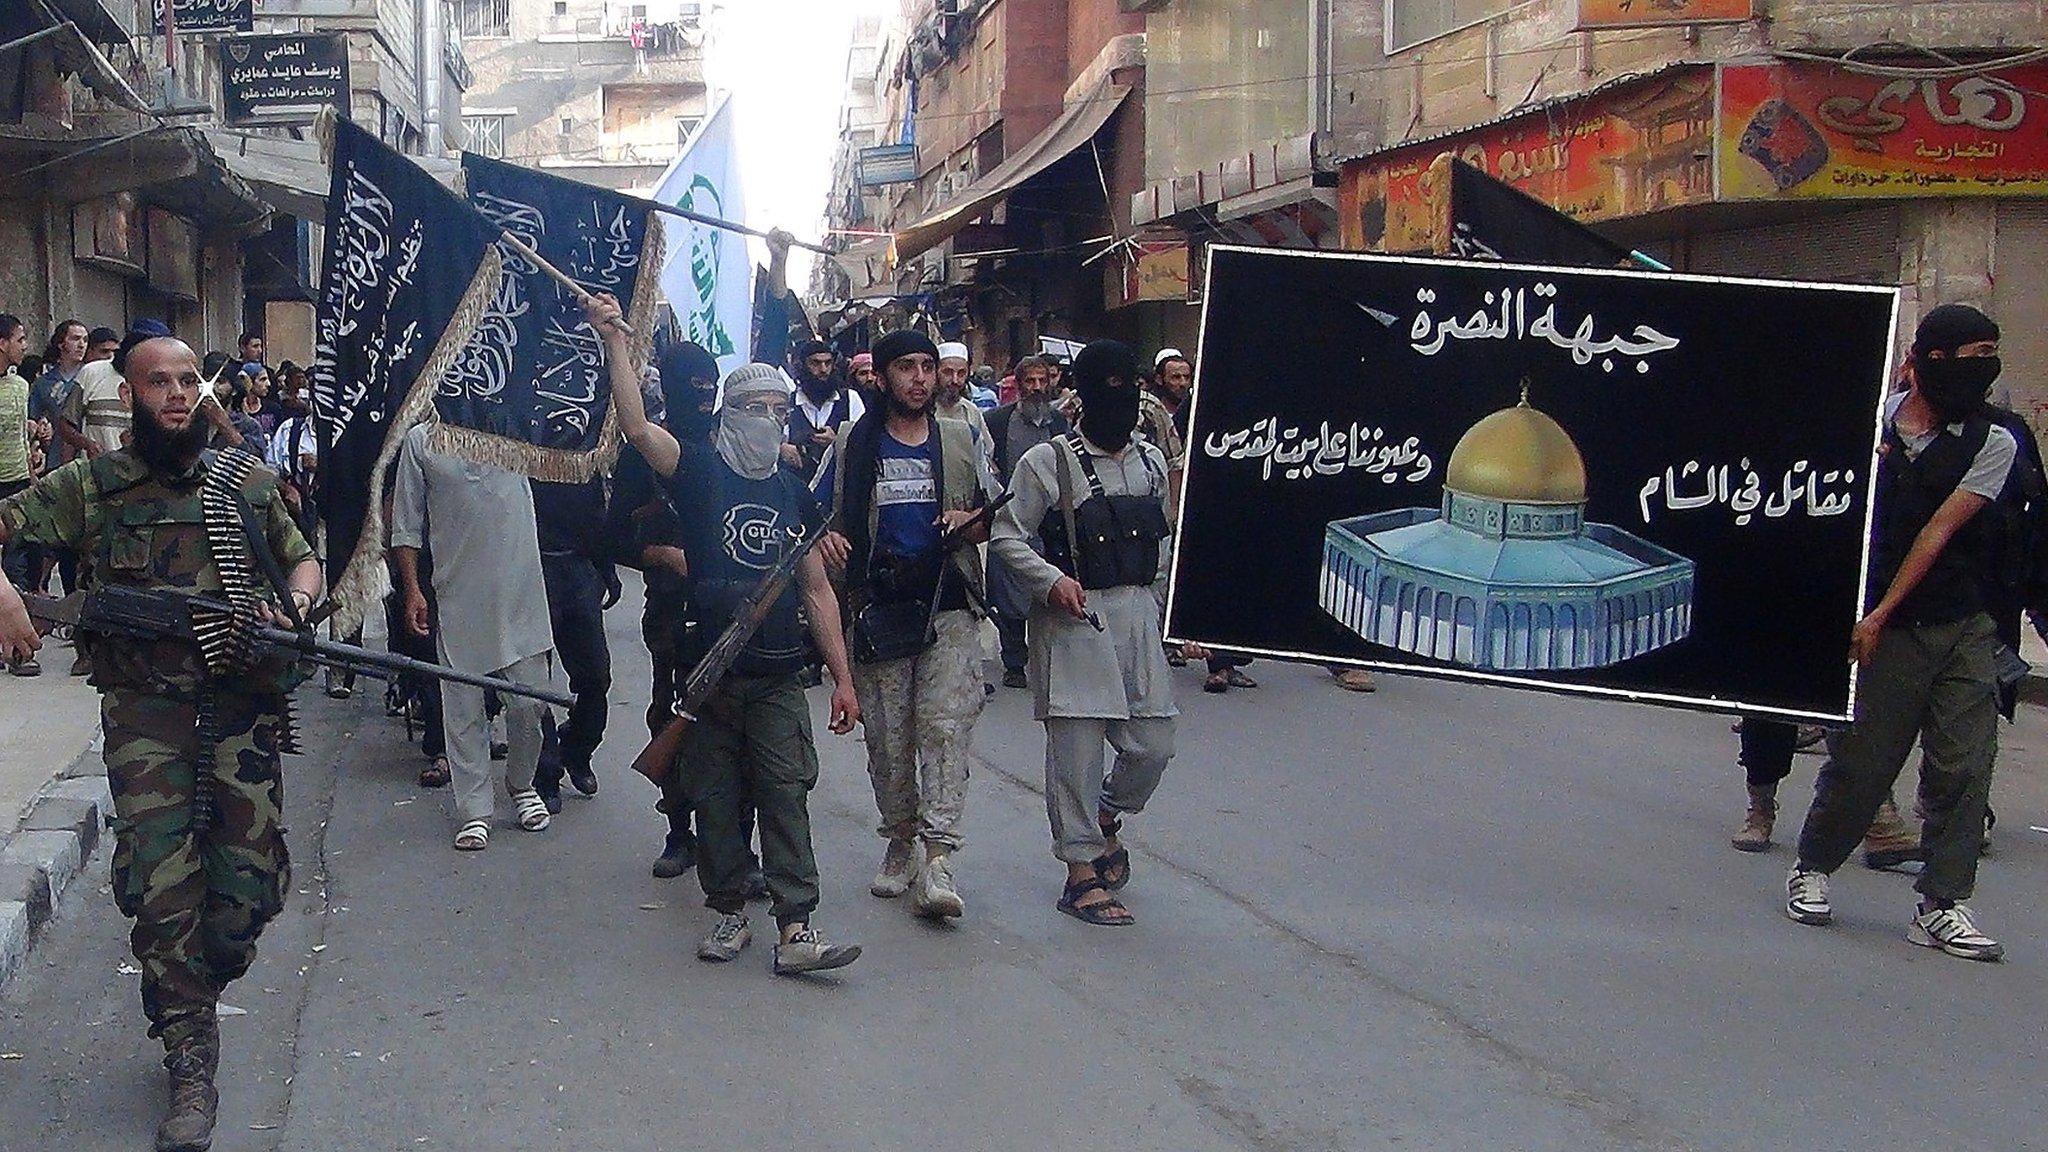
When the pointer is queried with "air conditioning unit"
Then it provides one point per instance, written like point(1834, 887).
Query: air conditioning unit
point(1142, 5)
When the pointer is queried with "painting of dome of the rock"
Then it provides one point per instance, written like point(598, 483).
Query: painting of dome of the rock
point(1507, 574)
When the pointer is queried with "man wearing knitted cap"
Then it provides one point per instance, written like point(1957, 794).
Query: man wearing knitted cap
point(823, 403)
point(1926, 651)
point(739, 512)
point(1097, 498)
point(904, 477)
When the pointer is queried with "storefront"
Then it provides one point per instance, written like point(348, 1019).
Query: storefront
point(1796, 170)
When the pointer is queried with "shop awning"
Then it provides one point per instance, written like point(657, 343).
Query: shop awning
point(291, 175)
point(866, 265)
point(1076, 126)
point(286, 174)
point(77, 56)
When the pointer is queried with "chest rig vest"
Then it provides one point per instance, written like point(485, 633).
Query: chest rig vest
point(152, 534)
point(1105, 541)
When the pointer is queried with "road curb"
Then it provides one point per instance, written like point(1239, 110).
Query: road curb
point(44, 856)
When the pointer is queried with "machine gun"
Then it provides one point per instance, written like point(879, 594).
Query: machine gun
point(161, 614)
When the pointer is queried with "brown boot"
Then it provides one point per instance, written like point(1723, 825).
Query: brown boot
point(188, 1122)
point(1756, 826)
point(1890, 841)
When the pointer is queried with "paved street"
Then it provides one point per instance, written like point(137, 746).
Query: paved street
point(1437, 917)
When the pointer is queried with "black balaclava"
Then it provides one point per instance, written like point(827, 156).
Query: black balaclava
point(1954, 386)
point(1106, 376)
point(689, 389)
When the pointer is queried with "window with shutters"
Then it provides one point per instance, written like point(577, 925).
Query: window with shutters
point(486, 18)
point(486, 135)
point(1410, 22)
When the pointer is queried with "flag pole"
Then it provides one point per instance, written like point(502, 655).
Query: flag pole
point(581, 293)
point(715, 222)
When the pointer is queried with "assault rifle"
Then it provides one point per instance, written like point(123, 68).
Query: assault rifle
point(162, 614)
point(658, 759)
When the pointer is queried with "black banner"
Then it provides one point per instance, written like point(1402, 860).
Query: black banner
point(1491, 220)
point(1609, 482)
point(282, 79)
point(532, 376)
point(203, 16)
point(407, 272)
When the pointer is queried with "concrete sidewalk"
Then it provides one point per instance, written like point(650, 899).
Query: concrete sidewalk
point(53, 795)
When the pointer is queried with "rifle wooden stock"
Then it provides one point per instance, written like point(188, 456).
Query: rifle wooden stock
point(657, 760)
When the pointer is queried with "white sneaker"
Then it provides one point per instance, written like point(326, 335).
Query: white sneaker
point(729, 937)
point(809, 951)
point(936, 896)
point(1953, 931)
point(1806, 897)
point(899, 864)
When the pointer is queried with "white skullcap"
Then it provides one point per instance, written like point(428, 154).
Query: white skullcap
point(1166, 354)
point(954, 351)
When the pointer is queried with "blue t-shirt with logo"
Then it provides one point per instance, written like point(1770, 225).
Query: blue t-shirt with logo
point(906, 499)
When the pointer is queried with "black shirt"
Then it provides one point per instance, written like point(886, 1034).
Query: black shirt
point(734, 530)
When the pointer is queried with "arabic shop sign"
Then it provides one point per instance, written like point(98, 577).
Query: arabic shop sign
point(283, 79)
point(204, 15)
point(1595, 14)
point(886, 164)
point(1638, 148)
point(1814, 130)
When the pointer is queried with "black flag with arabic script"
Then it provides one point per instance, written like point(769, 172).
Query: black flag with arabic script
point(408, 271)
point(1492, 220)
point(529, 390)
point(1601, 481)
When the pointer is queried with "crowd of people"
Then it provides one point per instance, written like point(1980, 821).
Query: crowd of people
point(66, 403)
point(939, 520)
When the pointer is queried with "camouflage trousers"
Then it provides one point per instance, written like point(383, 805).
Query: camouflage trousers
point(198, 901)
point(919, 713)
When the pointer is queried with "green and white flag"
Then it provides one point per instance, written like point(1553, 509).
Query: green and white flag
point(706, 279)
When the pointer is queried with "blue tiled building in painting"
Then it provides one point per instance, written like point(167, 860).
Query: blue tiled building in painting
point(1507, 575)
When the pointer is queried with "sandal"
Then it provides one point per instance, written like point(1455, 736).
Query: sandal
point(1175, 658)
point(435, 774)
point(474, 836)
point(1113, 867)
point(531, 809)
point(1239, 680)
point(1109, 913)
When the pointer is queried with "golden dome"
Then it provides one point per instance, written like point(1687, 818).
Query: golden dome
point(1518, 455)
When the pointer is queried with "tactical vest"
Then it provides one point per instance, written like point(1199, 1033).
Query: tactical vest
point(1909, 492)
point(1118, 536)
point(146, 531)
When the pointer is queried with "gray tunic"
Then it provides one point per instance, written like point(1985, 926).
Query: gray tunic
point(478, 522)
point(1076, 672)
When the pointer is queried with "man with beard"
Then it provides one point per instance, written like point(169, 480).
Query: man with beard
point(1015, 429)
point(1097, 499)
point(738, 510)
point(952, 403)
point(903, 478)
point(822, 405)
point(1926, 652)
point(861, 370)
point(199, 890)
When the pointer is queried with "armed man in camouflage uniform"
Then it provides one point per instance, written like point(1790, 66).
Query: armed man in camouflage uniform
point(198, 897)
